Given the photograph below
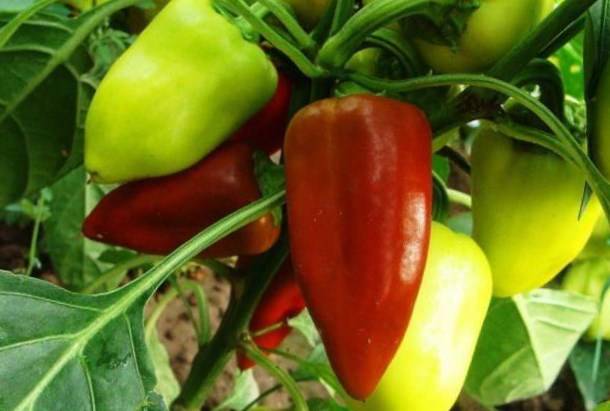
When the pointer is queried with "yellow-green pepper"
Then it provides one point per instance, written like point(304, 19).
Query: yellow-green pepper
point(186, 84)
point(491, 31)
point(589, 278)
point(599, 242)
point(431, 364)
point(525, 204)
point(309, 12)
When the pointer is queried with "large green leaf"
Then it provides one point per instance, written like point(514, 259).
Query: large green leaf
point(75, 259)
point(524, 343)
point(65, 351)
point(15, 5)
point(593, 383)
point(42, 97)
point(245, 390)
point(167, 384)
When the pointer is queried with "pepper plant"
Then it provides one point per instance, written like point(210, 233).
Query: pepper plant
point(152, 125)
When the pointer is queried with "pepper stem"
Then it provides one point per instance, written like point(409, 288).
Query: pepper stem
point(339, 48)
point(211, 359)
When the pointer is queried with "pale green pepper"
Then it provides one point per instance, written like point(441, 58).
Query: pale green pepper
point(431, 364)
point(525, 203)
point(186, 84)
point(589, 278)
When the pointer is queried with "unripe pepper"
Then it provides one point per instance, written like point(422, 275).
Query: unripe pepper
point(525, 205)
point(156, 215)
point(589, 278)
point(491, 31)
point(281, 301)
point(309, 12)
point(359, 188)
point(187, 83)
point(430, 366)
point(266, 129)
point(599, 242)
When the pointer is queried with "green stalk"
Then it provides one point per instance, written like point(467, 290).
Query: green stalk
point(118, 271)
point(32, 255)
point(339, 48)
point(569, 145)
point(537, 42)
point(211, 360)
point(275, 38)
point(457, 197)
point(304, 40)
point(540, 38)
point(253, 352)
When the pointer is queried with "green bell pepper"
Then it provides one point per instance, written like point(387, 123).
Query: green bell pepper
point(589, 278)
point(431, 364)
point(188, 82)
point(525, 203)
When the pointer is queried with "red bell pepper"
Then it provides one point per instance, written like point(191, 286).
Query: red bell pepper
point(359, 193)
point(266, 129)
point(282, 300)
point(156, 215)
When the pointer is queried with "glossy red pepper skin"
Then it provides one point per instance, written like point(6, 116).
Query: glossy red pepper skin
point(281, 301)
point(359, 192)
point(266, 129)
point(156, 215)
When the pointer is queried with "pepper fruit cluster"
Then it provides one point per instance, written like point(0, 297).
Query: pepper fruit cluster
point(377, 276)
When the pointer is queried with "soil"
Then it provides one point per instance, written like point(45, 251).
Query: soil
point(178, 337)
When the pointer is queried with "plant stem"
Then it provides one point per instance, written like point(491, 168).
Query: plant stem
point(32, 255)
point(339, 48)
point(538, 39)
point(537, 42)
point(276, 39)
point(160, 306)
point(570, 147)
point(211, 360)
point(304, 40)
point(187, 306)
point(280, 375)
point(118, 271)
point(460, 198)
point(204, 312)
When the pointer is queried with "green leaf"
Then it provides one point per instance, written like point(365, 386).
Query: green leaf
point(116, 255)
point(167, 384)
point(65, 351)
point(524, 343)
point(244, 392)
point(582, 359)
point(105, 46)
point(42, 99)
point(441, 167)
point(14, 6)
point(270, 178)
point(440, 197)
point(317, 367)
point(461, 223)
point(304, 324)
point(74, 258)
